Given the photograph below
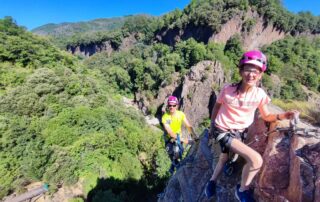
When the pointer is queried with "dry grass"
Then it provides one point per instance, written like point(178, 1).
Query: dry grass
point(308, 111)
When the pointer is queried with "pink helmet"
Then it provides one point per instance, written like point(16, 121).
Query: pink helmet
point(254, 57)
point(172, 100)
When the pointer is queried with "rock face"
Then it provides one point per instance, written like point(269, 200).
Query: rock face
point(146, 104)
point(106, 46)
point(196, 92)
point(291, 170)
point(90, 49)
point(172, 36)
point(259, 34)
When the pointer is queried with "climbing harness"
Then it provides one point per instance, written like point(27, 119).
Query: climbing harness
point(230, 166)
point(178, 148)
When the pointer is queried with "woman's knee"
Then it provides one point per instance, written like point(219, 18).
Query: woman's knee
point(250, 155)
point(260, 161)
point(256, 161)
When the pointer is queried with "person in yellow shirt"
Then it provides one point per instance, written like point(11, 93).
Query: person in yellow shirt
point(172, 121)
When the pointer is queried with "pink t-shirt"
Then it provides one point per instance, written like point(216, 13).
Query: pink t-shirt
point(237, 111)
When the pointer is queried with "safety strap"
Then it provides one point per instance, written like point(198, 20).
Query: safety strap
point(181, 149)
point(221, 135)
point(235, 134)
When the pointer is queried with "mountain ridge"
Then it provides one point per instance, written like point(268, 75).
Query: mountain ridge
point(71, 28)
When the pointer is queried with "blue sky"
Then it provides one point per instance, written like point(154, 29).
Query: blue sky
point(34, 13)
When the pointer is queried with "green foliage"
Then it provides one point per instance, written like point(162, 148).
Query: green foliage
point(68, 29)
point(88, 38)
point(292, 90)
point(214, 13)
point(211, 12)
point(283, 19)
point(248, 24)
point(57, 124)
point(233, 49)
point(61, 169)
point(163, 163)
point(35, 159)
point(146, 68)
point(216, 52)
point(98, 30)
point(308, 111)
point(273, 87)
point(20, 47)
point(77, 199)
point(142, 24)
point(12, 76)
point(142, 27)
point(75, 142)
point(296, 61)
point(191, 51)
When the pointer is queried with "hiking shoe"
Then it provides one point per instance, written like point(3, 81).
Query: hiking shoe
point(245, 196)
point(210, 189)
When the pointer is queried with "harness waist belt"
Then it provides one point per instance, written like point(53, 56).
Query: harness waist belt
point(221, 135)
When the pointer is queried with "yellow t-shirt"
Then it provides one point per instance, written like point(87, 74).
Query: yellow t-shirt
point(174, 121)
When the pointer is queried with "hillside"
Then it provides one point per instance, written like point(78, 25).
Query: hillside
point(69, 29)
point(204, 19)
point(70, 34)
point(62, 123)
point(62, 116)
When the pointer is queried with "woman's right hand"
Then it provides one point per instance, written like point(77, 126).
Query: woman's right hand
point(292, 114)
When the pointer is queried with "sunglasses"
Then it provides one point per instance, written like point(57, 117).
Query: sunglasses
point(172, 106)
point(249, 71)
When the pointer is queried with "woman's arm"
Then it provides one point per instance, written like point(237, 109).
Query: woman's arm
point(267, 116)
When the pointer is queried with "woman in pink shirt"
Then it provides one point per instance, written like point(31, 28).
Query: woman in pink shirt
point(234, 113)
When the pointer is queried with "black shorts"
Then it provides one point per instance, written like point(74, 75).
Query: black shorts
point(225, 141)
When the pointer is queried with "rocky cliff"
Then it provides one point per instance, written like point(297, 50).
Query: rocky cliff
point(103, 46)
point(256, 35)
point(199, 88)
point(290, 172)
point(196, 91)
